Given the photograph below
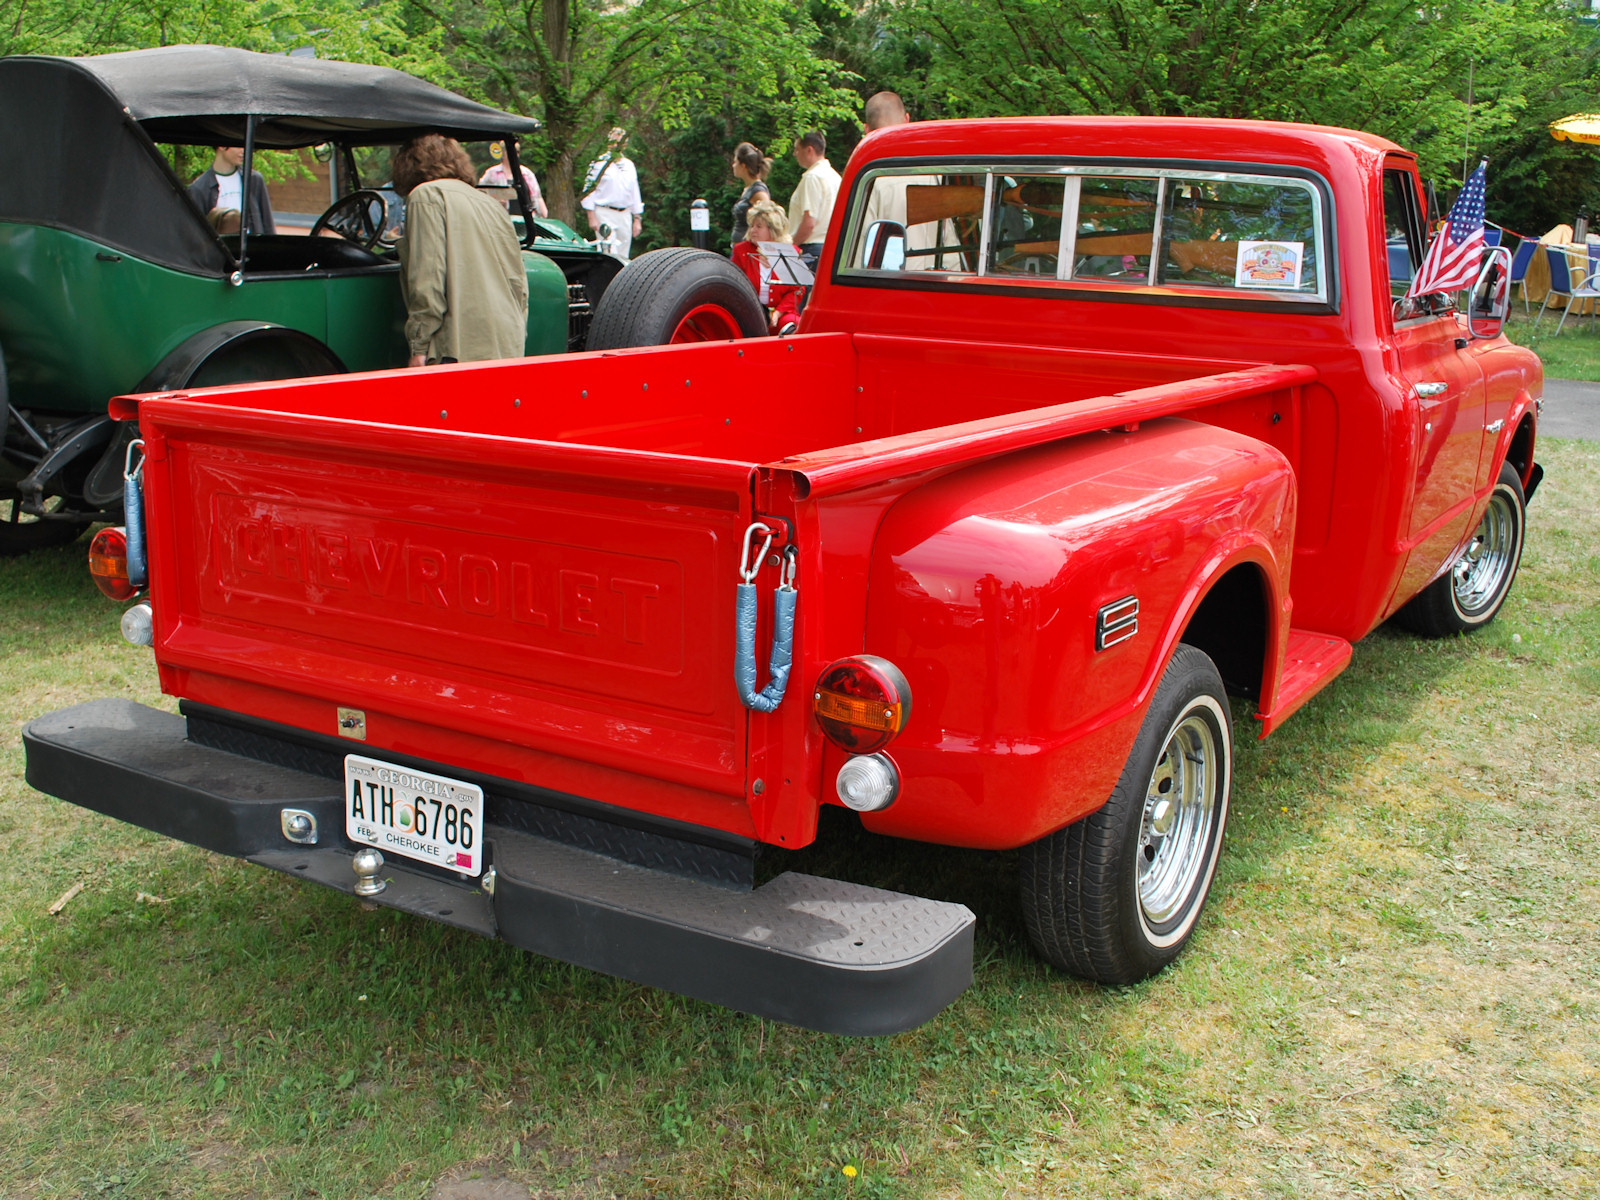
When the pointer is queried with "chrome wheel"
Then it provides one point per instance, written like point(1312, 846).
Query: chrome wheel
point(1180, 807)
point(1116, 896)
point(1484, 569)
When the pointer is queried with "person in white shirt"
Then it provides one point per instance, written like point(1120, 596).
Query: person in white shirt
point(811, 205)
point(887, 199)
point(613, 198)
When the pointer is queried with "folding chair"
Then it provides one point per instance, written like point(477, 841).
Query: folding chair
point(1573, 285)
point(1519, 268)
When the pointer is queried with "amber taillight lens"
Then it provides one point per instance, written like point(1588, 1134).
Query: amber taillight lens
point(108, 563)
point(862, 703)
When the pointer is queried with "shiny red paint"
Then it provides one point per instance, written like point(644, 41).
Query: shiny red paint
point(528, 568)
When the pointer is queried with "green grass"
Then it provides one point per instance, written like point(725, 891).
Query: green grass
point(1395, 990)
point(1574, 354)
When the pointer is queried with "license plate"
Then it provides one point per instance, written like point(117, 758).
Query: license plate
point(414, 814)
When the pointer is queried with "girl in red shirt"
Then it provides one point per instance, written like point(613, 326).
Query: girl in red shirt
point(767, 223)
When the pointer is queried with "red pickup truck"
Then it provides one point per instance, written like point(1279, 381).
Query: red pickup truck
point(1095, 428)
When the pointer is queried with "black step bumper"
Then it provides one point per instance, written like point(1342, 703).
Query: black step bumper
point(813, 952)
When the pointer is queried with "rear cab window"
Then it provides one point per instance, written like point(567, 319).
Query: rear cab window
point(1163, 233)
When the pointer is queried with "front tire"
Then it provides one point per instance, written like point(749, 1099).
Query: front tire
point(675, 296)
point(1115, 897)
point(1471, 592)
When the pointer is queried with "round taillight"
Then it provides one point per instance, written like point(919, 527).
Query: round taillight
point(862, 703)
point(108, 563)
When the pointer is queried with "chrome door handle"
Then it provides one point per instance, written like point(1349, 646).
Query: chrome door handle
point(1432, 389)
point(1495, 426)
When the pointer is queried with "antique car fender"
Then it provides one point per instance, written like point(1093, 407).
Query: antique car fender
point(1033, 601)
point(232, 352)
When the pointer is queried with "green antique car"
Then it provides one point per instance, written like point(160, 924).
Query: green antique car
point(113, 281)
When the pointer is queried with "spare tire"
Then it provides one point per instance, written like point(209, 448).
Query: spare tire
point(677, 295)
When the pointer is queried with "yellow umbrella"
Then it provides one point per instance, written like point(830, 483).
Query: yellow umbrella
point(1581, 127)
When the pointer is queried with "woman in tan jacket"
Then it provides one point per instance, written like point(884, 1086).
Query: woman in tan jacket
point(460, 265)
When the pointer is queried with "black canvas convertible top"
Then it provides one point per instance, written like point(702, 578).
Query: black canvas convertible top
point(78, 134)
point(200, 95)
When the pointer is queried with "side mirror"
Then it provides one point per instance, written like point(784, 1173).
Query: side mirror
point(1489, 302)
point(886, 246)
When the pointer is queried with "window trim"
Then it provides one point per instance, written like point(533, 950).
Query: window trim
point(1324, 216)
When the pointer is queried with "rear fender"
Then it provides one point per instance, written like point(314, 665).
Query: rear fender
point(233, 352)
point(241, 352)
point(993, 587)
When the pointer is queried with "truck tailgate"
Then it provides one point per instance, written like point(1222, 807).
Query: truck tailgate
point(557, 598)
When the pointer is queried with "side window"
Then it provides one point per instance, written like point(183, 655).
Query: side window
point(1401, 230)
point(1116, 228)
point(1260, 236)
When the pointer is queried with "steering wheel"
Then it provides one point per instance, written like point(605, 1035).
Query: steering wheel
point(362, 217)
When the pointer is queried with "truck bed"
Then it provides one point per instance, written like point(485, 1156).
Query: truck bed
point(529, 568)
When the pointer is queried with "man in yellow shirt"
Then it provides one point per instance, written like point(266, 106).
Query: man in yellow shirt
point(811, 205)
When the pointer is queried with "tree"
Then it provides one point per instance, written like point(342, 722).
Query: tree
point(1388, 66)
point(584, 65)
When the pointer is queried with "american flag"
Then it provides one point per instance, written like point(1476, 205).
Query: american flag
point(1453, 259)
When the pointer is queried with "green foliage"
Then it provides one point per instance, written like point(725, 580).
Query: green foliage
point(1386, 66)
point(373, 31)
point(658, 67)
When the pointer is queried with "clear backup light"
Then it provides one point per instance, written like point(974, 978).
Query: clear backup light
point(108, 563)
point(868, 783)
point(862, 703)
point(139, 625)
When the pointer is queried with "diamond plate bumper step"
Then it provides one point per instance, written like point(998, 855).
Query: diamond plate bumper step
point(819, 953)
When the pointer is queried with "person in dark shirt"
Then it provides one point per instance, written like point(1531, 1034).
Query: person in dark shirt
point(221, 186)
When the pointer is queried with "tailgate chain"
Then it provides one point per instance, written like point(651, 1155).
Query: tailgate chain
point(783, 606)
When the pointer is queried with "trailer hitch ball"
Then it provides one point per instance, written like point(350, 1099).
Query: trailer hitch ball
point(868, 783)
point(139, 625)
point(366, 864)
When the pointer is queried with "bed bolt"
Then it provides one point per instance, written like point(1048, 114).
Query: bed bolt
point(516, 404)
point(644, 387)
point(685, 383)
point(366, 864)
point(1276, 417)
point(583, 395)
point(757, 788)
point(443, 414)
point(727, 420)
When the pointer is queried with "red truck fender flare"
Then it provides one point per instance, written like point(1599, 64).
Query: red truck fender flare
point(1243, 631)
point(1516, 441)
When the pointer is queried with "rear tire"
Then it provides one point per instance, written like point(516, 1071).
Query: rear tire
point(673, 296)
point(1471, 592)
point(1115, 897)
